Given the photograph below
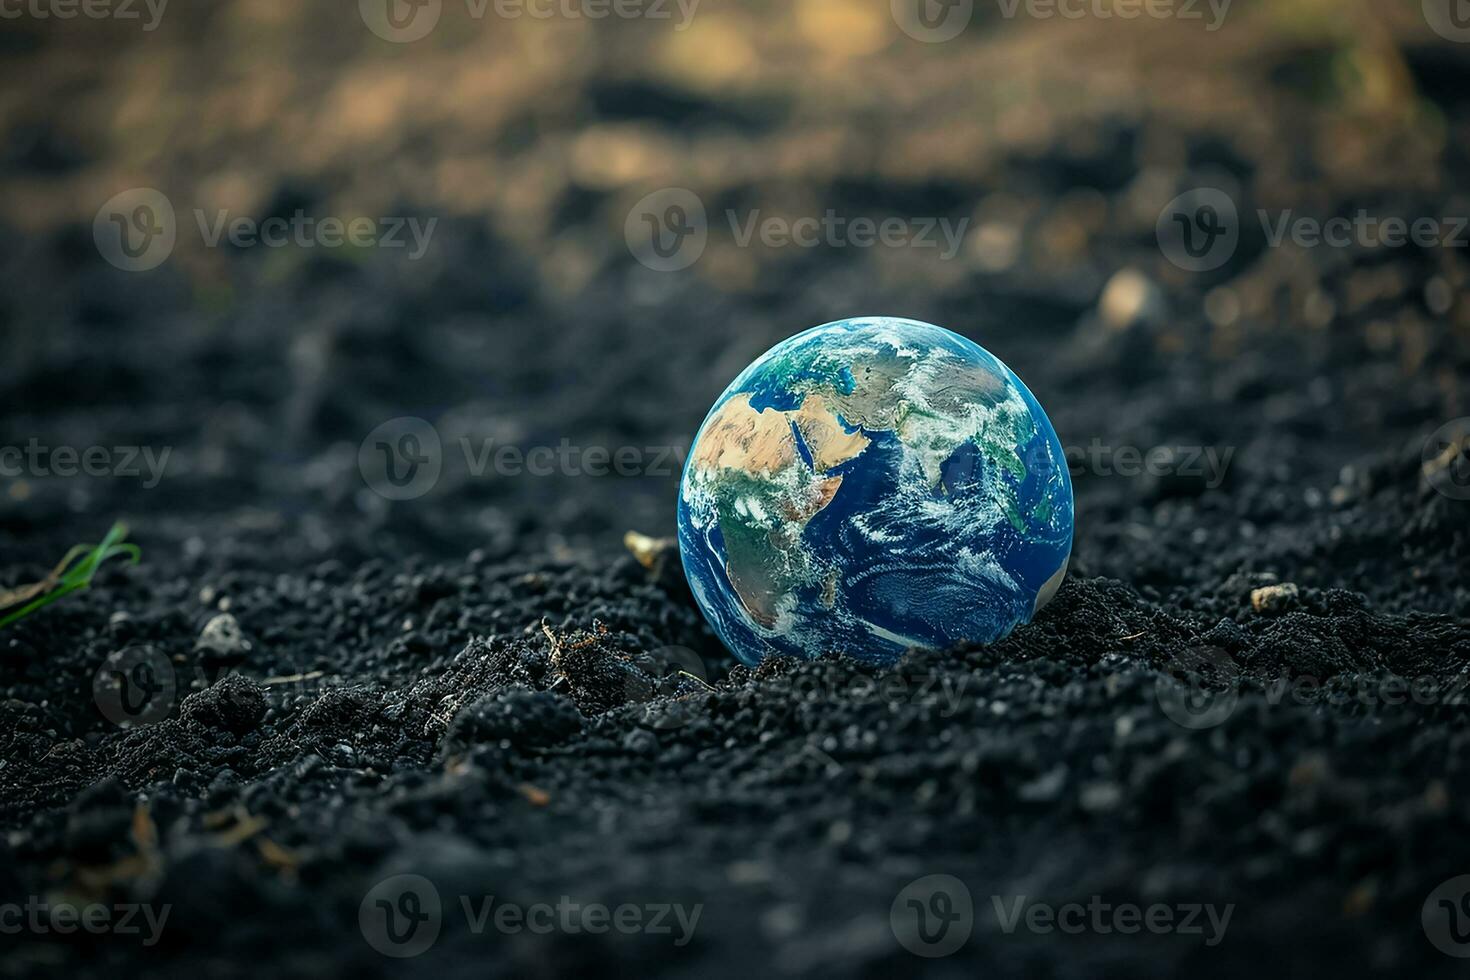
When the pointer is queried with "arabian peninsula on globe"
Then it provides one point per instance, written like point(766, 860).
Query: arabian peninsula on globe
point(872, 485)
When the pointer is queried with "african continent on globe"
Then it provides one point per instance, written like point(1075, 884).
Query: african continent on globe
point(872, 485)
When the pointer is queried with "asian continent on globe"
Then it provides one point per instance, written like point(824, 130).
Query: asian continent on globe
point(872, 485)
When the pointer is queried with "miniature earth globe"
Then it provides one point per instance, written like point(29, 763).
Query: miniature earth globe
point(872, 485)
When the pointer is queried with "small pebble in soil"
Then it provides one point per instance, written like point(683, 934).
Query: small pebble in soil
point(1274, 599)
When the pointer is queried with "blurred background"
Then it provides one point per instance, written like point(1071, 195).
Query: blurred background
point(1049, 143)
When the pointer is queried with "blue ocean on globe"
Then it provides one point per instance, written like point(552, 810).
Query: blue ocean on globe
point(872, 485)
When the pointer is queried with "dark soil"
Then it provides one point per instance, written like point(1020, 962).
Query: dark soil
point(477, 686)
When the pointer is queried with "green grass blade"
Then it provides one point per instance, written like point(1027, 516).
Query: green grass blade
point(80, 576)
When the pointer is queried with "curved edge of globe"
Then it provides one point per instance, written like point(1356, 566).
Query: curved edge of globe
point(699, 561)
point(1053, 584)
point(708, 581)
point(704, 567)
